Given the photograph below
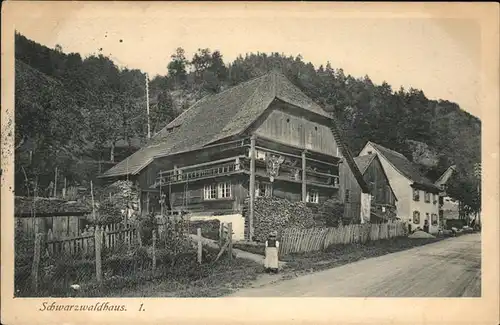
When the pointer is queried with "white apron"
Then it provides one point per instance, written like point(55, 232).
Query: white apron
point(271, 260)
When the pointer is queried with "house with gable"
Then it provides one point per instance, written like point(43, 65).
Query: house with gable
point(383, 201)
point(262, 137)
point(448, 207)
point(417, 196)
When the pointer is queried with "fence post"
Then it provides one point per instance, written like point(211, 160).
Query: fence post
point(200, 247)
point(230, 238)
point(36, 261)
point(138, 233)
point(98, 246)
point(154, 251)
point(221, 235)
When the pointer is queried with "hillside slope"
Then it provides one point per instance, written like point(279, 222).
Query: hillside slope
point(109, 104)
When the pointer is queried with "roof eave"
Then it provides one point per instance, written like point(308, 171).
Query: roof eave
point(429, 187)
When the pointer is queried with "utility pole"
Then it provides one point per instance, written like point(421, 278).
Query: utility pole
point(147, 104)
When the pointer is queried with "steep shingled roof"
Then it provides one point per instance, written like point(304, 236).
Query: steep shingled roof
point(217, 117)
point(404, 166)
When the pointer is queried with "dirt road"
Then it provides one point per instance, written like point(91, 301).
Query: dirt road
point(449, 268)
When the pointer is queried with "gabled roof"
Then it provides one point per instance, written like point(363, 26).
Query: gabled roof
point(364, 161)
point(443, 179)
point(217, 117)
point(407, 168)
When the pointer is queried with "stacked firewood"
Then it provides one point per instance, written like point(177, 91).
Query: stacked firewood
point(275, 214)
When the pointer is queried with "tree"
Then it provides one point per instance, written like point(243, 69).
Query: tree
point(163, 112)
point(466, 190)
point(201, 61)
point(177, 67)
point(217, 67)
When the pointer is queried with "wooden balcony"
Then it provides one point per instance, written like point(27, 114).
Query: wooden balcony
point(318, 173)
point(197, 172)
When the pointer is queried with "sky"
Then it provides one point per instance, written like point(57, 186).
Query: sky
point(441, 56)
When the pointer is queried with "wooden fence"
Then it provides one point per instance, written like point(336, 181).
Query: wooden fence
point(294, 240)
point(112, 236)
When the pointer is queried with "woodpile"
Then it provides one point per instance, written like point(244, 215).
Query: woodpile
point(275, 214)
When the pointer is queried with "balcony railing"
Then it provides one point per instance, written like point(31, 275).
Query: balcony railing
point(201, 171)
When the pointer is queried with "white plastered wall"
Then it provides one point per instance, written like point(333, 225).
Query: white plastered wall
point(237, 220)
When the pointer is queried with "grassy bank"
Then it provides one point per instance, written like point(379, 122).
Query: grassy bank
point(207, 280)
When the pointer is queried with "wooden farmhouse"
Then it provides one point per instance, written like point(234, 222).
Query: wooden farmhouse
point(383, 199)
point(260, 138)
point(417, 196)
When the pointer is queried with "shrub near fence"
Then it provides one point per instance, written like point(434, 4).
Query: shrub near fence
point(295, 240)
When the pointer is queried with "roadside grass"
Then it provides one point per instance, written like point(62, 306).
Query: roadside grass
point(221, 278)
point(259, 249)
point(213, 279)
point(337, 255)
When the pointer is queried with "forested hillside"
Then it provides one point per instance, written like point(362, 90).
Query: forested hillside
point(71, 109)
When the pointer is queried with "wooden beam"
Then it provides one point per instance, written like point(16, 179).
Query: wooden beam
point(304, 188)
point(252, 186)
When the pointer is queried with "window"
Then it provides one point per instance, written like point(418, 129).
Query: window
point(224, 190)
point(312, 197)
point(209, 192)
point(434, 198)
point(416, 195)
point(347, 194)
point(427, 197)
point(416, 217)
point(434, 219)
point(263, 189)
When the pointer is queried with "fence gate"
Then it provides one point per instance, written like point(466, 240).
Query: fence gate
point(226, 240)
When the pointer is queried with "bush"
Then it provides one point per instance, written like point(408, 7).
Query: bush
point(209, 228)
point(330, 213)
point(108, 212)
point(457, 223)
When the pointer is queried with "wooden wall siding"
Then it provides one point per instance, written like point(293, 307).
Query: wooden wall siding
point(379, 184)
point(293, 191)
point(399, 184)
point(194, 196)
point(348, 182)
point(61, 226)
point(298, 131)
